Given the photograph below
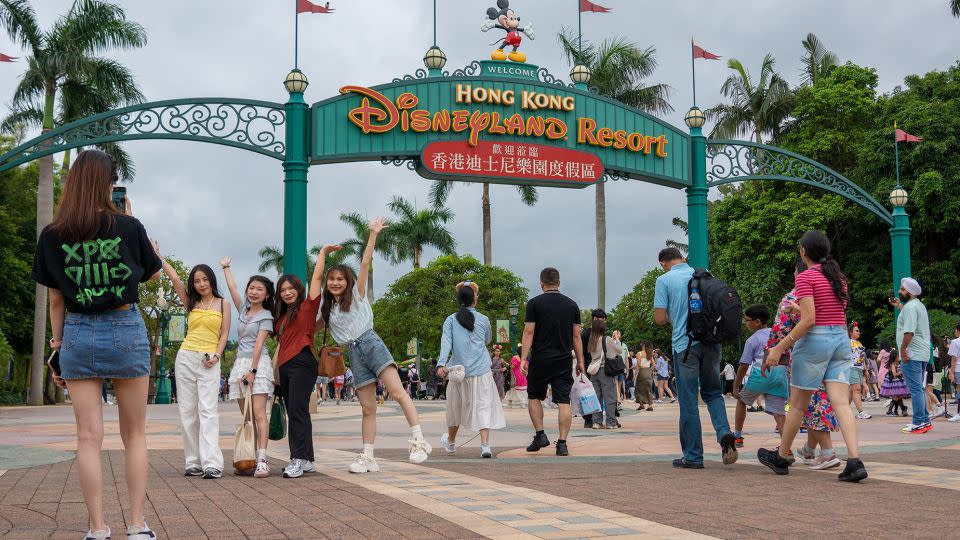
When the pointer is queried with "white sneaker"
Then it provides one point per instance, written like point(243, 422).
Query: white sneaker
point(263, 470)
point(825, 462)
point(419, 450)
point(308, 466)
point(939, 410)
point(294, 469)
point(864, 415)
point(954, 418)
point(485, 451)
point(140, 533)
point(658, 401)
point(673, 400)
point(807, 458)
point(98, 535)
point(450, 447)
point(364, 464)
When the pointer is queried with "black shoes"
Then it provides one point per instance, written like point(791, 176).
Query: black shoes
point(728, 447)
point(562, 448)
point(681, 463)
point(773, 461)
point(854, 471)
point(540, 440)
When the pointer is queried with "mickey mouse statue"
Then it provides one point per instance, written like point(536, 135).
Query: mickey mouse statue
point(506, 19)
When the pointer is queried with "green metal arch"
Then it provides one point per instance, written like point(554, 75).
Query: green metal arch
point(730, 161)
point(257, 126)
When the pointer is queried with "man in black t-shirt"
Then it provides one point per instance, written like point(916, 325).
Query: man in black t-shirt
point(550, 332)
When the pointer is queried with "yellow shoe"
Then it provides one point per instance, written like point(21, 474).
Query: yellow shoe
point(518, 57)
point(498, 55)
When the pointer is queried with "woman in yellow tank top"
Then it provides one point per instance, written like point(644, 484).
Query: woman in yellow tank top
point(197, 368)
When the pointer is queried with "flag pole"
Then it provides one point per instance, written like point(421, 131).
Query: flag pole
point(296, 36)
point(693, 72)
point(579, 31)
point(896, 151)
point(434, 23)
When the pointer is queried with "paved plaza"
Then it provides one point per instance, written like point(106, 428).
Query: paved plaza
point(615, 484)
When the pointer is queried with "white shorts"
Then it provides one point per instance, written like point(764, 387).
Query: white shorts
point(474, 404)
point(262, 383)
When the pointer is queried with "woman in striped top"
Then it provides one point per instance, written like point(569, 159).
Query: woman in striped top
point(821, 353)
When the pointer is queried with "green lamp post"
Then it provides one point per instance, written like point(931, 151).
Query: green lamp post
point(295, 165)
point(580, 75)
point(163, 383)
point(514, 309)
point(900, 236)
point(697, 192)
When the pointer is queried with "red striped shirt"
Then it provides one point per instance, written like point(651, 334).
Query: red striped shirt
point(830, 309)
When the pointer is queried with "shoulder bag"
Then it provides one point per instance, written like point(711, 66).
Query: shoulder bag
point(331, 359)
point(612, 367)
point(244, 447)
point(278, 419)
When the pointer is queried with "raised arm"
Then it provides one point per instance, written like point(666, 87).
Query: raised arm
point(377, 225)
point(231, 284)
point(172, 275)
point(224, 327)
point(316, 282)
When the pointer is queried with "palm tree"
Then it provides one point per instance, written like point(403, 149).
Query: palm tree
point(68, 50)
point(440, 192)
point(682, 225)
point(757, 107)
point(955, 8)
point(271, 257)
point(415, 229)
point(356, 245)
point(618, 69)
point(817, 62)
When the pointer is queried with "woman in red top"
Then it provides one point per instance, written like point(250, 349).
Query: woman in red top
point(295, 326)
point(821, 353)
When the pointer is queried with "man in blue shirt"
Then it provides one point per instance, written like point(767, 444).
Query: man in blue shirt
point(696, 365)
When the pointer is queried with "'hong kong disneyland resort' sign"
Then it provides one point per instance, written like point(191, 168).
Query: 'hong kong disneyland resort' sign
point(499, 122)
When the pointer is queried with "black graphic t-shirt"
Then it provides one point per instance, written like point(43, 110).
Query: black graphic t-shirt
point(99, 274)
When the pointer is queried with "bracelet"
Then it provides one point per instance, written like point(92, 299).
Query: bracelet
point(225, 267)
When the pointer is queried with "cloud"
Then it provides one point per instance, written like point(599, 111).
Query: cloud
point(203, 201)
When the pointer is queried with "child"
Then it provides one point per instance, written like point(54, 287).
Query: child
point(755, 318)
point(819, 420)
point(894, 387)
point(347, 314)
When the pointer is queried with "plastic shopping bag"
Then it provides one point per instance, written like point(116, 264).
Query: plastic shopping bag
point(583, 398)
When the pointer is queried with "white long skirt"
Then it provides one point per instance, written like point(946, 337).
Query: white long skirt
point(474, 404)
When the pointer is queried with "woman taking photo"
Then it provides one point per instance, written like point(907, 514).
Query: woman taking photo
point(347, 314)
point(644, 385)
point(821, 354)
point(472, 403)
point(198, 368)
point(253, 369)
point(97, 327)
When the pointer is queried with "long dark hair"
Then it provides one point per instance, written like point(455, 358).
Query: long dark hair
point(466, 297)
point(268, 301)
point(85, 200)
point(193, 297)
point(346, 299)
point(283, 310)
point(598, 329)
point(816, 245)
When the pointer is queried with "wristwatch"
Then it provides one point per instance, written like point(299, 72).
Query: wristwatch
point(254, 371)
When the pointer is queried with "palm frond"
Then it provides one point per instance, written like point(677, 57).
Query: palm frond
point(440, 192)
point(20, 22)
point(528, 195)
point(18, 119)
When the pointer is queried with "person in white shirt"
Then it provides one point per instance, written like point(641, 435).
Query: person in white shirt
point(728, 375)
point(954, 370)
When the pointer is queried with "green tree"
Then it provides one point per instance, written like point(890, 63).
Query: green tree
point(756, 107)
point(155, 297)
point(618, 70)
point(955, 8)
point(271, 258)
point(416, 304)
point(682, 225)
point(68, 50)
point(818, 62)
point(413, 230)
point(440, 192)
point(633, 315)
point(18, 188)
point(356, 245)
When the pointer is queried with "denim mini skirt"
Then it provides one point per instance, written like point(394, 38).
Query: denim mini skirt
point(108, 345)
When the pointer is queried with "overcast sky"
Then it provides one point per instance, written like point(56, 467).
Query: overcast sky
point(204, 201)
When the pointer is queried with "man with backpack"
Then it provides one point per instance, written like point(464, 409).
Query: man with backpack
point(696, 349)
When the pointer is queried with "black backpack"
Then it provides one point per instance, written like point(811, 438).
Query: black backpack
point(720, 317)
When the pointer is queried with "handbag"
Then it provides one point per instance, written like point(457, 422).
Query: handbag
point(278, 419)
point(774, 383)
point(331, 359)
point(244, 445)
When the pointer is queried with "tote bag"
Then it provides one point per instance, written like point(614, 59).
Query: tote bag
point(775, 382)
point(278, 419)
point(244, 447)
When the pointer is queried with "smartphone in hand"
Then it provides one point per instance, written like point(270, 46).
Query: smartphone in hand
point(54, 362)
point(119, 198)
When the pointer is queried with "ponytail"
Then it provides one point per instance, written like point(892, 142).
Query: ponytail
point(838, 282)
point(816, 247)
point(466, 297)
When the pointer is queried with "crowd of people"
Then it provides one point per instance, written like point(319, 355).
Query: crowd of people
point(805, 365)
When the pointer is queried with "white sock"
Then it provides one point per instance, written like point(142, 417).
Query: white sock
point(262, 454)
point(368, 450)
point(417, 432)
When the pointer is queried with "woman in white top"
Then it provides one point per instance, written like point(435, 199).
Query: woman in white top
point(346, 313)
point(603, 347)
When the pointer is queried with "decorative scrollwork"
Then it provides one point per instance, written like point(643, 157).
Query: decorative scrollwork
point(738, 161)
point(545, 76)
point(474, 69)
point(614, 175)
point(400, 161)
point(252, 125)
point(418, 74)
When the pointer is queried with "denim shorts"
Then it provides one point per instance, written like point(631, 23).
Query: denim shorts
point(369, 356)
point(856, 375)
point(823, 355)
point(108, 345)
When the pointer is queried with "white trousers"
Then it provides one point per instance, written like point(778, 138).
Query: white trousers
point(197, 391)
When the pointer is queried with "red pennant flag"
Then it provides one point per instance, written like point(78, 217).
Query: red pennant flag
point(306, 6)
point(5, 58)
point(586, 6)
point(699, 52)
point(903, 136)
